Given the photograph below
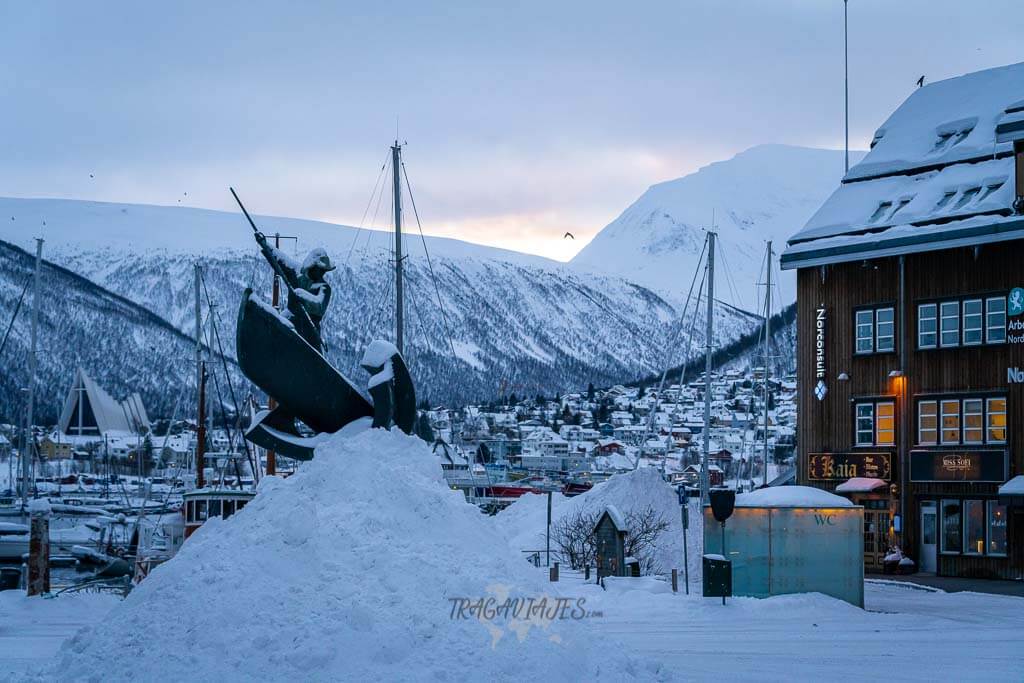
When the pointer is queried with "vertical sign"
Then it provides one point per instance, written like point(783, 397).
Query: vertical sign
point(820, 389)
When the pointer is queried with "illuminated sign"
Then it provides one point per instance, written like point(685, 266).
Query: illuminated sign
point(843, 466)
point(820, 389)
point(942, 466)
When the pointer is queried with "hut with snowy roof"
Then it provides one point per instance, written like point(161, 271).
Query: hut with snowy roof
point(910, 329)
point(610, 542)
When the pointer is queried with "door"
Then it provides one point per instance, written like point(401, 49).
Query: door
point(876, 532)
point(929, 537)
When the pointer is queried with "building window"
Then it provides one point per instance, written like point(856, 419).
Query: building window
point(974, 527)
point(885, 330)
point(996, 528)
point(927, 326)
point(995, 320)
point(876, 424)
point(951, 538)
point(950, 422)
point(974, 428)
point(996, 420)
point(865, 331)
point(972, 322)
point(949, 323)
point(885, 424)
point(927, 423)
point(865, 424)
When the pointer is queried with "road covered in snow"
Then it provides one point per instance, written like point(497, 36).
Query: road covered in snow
point(905, 633)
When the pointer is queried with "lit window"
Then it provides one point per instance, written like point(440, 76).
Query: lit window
point(996, 528)
point(951, 538)
point(997, 420)
point(927, 326)
point(865, 331)
point(951, 422)
point(972, 322)
point(927, 423)
point(885, 424)
point(885, 330)
point(950, 323)
point(974, 429)
point(865, 424)
point(974, 527)
point(995, 322)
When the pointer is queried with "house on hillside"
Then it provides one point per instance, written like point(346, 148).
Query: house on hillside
point(910, 330)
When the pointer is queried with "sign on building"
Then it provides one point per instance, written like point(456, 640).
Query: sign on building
point(843, 466)
point(945, 466)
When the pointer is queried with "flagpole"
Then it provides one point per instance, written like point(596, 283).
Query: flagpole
point(846, 82)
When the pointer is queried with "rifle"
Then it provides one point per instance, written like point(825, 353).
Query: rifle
point(278, 270)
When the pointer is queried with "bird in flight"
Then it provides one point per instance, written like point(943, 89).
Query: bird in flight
point(920, 82)
point(569, 235)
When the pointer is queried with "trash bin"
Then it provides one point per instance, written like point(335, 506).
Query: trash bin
point(10, 577)
point(717, 577)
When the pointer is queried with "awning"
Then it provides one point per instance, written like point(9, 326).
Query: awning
point(861, 485)
point(1012, 492)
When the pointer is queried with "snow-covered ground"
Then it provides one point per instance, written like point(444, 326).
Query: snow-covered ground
point(351, 569)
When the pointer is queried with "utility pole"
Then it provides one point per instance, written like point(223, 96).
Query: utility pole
point(28, 442)
point(396, 172)
point(708, 338)
point(767, 351)
point(846, 81)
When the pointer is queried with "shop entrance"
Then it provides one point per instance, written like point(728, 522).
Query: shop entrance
point(876, 534)
point(929, 537)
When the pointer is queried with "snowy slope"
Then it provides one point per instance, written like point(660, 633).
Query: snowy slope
point(517, 323)
point(766, 192)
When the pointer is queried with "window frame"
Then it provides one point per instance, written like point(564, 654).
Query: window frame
point(878, 326)
point(964, 525)
point(857, 417)
point(934, 318)
point(878, 424)
point(942, 526)
point(934, 415)
point(980, 329)
point(989, 504)
point(942, 422)
point(981, 428)
point(988, 424)
point(858, 337)
point(988, 320)
point(943, 317)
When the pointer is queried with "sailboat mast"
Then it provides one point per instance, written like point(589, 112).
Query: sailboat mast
point(767, 346)
point(200, 382)
point(27, 439)
point(709, 336)
point(396, 172)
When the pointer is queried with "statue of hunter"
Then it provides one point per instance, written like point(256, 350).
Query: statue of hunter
point(309, 294)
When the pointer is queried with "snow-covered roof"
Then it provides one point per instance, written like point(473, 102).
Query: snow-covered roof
point(937, 176)
point(128, 416)
point(1014, 487)
point(860, 485)
point(791, 496)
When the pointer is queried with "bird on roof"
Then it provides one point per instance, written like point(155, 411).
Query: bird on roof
point(569, 235)
point(920, 82)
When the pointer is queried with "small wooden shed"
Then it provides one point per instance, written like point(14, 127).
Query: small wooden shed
point(610, 538)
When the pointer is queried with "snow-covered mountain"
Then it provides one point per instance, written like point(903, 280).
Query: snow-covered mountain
point(517, 323)
point(766, 192)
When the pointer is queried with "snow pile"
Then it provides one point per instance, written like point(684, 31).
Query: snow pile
point(791, 496)
point(524, 521)
point(346, 570)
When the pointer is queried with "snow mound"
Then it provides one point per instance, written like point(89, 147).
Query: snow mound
point(344, 571)
point(791, 496)
point(524, 521)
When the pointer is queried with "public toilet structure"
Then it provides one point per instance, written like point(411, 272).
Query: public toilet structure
point(792, 539)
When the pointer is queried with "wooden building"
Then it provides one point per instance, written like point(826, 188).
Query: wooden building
point(910, 325)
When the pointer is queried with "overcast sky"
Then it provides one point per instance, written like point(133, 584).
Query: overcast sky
point(523, 119)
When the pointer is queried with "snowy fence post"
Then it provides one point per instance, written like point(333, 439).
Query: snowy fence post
point(586, 573)
point(675, 580)
point(553, 572)
point(38, 581)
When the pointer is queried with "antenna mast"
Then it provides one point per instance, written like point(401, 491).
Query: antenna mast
point(396, 165)
point(846, 81)
point(767, 346)
point(709, 335)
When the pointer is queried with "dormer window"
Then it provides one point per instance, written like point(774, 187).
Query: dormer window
point(899, 207)
point(967, 196)
point(946, 199)
point(880, 211)
point(989, 189)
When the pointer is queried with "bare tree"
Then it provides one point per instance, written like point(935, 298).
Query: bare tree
point(573, 535)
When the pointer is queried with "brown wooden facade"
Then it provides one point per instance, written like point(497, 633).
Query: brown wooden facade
point(907, 375)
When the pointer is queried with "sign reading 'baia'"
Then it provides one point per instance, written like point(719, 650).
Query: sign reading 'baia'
point(842, 466)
